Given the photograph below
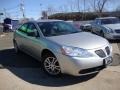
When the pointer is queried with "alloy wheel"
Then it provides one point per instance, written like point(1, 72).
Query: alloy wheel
point(51, 66)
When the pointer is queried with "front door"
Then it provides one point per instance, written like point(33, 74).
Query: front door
point(33, 42)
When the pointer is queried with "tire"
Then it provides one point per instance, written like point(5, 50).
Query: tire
point(92, 31)
point(102, 34)
point(51, 65)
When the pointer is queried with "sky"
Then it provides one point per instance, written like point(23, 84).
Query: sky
point(33, 8)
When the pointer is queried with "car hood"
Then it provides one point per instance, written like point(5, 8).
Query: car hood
point(113, 26)
point(82, 40)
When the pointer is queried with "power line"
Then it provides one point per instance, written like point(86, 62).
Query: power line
point(12, 8)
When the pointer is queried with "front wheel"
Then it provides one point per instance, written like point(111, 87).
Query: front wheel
point(102, 34)
point(51, 66)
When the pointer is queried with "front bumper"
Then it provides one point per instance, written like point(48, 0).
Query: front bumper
point(112, 36)
point(79, 66)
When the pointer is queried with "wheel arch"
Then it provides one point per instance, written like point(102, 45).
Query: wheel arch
point(46, 52)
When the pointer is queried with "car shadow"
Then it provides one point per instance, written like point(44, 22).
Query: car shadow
point(114, 41)
point(8, 58)
point(29, 70)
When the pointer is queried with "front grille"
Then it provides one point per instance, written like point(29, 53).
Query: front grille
point(117, 31)
point(107, 50)
point(100, 53)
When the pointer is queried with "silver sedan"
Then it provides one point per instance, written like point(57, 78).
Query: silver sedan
point(107, 27)
point(62, 48)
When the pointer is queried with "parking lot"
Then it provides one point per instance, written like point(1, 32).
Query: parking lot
point(22, 72)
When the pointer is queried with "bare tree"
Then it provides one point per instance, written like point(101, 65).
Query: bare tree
point(78, 5)
point(61, 9)
point(71, 5)
point(99, 6)
point(65, 8)
point(118, 8)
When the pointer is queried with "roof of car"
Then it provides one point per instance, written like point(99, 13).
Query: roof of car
point(106, 17)
point(46, 20)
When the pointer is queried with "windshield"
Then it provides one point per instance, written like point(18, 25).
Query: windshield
point(110, 21)
point(57, 28)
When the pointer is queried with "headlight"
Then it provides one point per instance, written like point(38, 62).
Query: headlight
point(76, 52)
point(109, 30)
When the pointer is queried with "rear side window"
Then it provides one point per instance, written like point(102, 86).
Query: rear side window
point(23, 28)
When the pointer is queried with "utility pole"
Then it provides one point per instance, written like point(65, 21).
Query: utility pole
point(22, 8)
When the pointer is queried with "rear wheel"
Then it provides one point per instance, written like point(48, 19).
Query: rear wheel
point(51, 65)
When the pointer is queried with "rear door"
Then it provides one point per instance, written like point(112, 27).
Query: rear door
point(20, 35)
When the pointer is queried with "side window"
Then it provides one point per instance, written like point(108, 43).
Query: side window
point(97, 21)
point(23, 28)
point(45, 28)
point(31, 28)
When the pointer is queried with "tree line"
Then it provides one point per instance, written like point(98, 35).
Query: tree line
point(78, 16)
point(85, 10)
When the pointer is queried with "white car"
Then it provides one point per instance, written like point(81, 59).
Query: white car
point(108, 27)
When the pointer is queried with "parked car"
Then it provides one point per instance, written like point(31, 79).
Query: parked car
point(10, 25)
point(108, 27)
point(77, 25)
point(86, 27)
point(62, 48)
